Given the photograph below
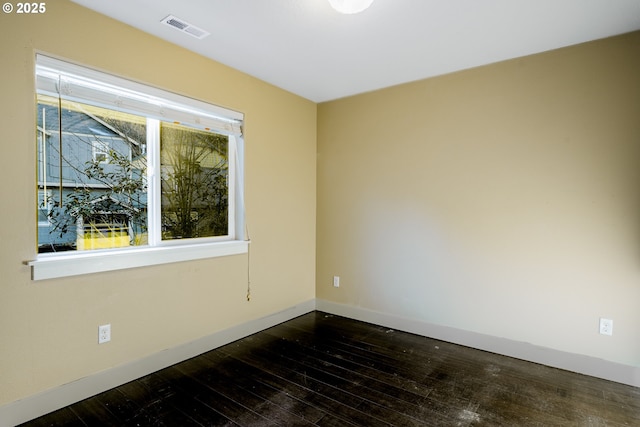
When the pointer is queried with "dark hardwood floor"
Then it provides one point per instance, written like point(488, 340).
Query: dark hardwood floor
point(325, 370)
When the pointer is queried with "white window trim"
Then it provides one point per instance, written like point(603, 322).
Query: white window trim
point(52, 266)
point(57, 265)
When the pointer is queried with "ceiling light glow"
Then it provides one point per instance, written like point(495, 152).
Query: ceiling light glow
point(350, 6)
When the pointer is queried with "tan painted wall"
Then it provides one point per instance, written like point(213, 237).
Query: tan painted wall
point(48, 330)
point(503, 200)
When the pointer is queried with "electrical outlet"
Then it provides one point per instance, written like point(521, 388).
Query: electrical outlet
point(104, 334)
point(606, 326)
point(336, 281)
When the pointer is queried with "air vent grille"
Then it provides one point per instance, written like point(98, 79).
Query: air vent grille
point(185, 27)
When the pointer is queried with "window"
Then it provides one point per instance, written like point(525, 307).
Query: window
point(44, 208)
point(126, 171)
point(100, 151)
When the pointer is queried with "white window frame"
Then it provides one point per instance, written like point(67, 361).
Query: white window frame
point(190, 112)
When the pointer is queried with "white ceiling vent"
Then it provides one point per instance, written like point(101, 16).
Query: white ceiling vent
point(185, 27)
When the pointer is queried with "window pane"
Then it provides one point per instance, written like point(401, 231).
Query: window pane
point(92, 177)
point(194, 182)
point(44, 207)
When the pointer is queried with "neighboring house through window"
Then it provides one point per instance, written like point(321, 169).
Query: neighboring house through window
point(124, 165)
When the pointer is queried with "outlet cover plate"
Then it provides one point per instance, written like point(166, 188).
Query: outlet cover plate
point(606, 326)
point(104, 334)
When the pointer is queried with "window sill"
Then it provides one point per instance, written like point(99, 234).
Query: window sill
point(64, 265)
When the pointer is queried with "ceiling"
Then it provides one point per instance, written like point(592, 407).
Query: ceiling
point(305, 47)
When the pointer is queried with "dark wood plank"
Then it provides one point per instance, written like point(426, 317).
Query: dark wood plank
point(183, 400)
point(228, 398)
point(376, 403)
point(224, 376)
point(118, 405)
point(325, 396)
point(316, 404)
point(92, 413)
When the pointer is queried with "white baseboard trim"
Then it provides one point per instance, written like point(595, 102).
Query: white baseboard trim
point(48, 401)
point(581, 364)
